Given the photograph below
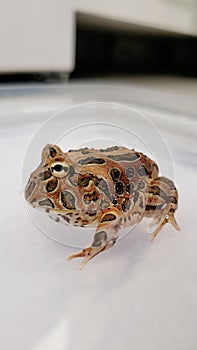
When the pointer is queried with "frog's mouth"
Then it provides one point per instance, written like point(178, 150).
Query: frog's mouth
point(44, 203)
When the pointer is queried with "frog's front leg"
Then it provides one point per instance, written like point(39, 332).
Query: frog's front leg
point(110, 223)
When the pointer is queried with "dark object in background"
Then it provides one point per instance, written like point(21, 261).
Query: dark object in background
point(48, 77)
point(106, 52)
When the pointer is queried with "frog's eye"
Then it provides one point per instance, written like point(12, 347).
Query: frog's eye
point(59, 169)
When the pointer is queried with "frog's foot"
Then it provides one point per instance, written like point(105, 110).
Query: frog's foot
point(161, 203)
point(105, 237)
point(88, 253)
point(162, 219)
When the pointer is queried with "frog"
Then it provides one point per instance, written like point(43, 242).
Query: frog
point(109, 189)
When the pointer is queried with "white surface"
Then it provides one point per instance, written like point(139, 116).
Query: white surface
point(139, 295)
point(37, 36)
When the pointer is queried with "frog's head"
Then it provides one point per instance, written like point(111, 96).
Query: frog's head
point(43, 187)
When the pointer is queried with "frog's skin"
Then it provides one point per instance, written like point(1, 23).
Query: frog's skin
point(108, 188)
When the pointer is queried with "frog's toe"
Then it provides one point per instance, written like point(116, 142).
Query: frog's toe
point(88, 253)
point(158, 229)
point(169, 218)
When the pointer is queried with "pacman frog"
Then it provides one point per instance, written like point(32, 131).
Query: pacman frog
point(107, 188)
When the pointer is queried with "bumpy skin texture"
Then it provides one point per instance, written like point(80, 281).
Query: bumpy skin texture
point(108, 189)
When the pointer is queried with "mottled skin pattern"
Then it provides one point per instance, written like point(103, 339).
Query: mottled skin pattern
point(108, 189)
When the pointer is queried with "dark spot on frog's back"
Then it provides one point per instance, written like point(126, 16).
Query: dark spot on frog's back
point(130, 187)
point(51, 185)
point(91, 197)
point(110, 149)
point(140, 185)
point(103, 186)
point(141, 205)
point(119, 188)
point(83, 180)
point(135, 197)
point(114, 201)
point(130, 171)
point(73, 176)
point(71, 170)
point(128, 157)
point(115, 174)
point(82, 150)
point(91, 160)
point(46, 203)
point(68, 200)
point(126, 204)
point(142, 171)
point(108, 217)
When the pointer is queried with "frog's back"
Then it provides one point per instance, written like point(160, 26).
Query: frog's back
point(128, 159)
point(122, 176)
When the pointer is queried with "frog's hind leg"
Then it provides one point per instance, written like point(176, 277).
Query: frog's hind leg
point(161, 203)
point(110, 223)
